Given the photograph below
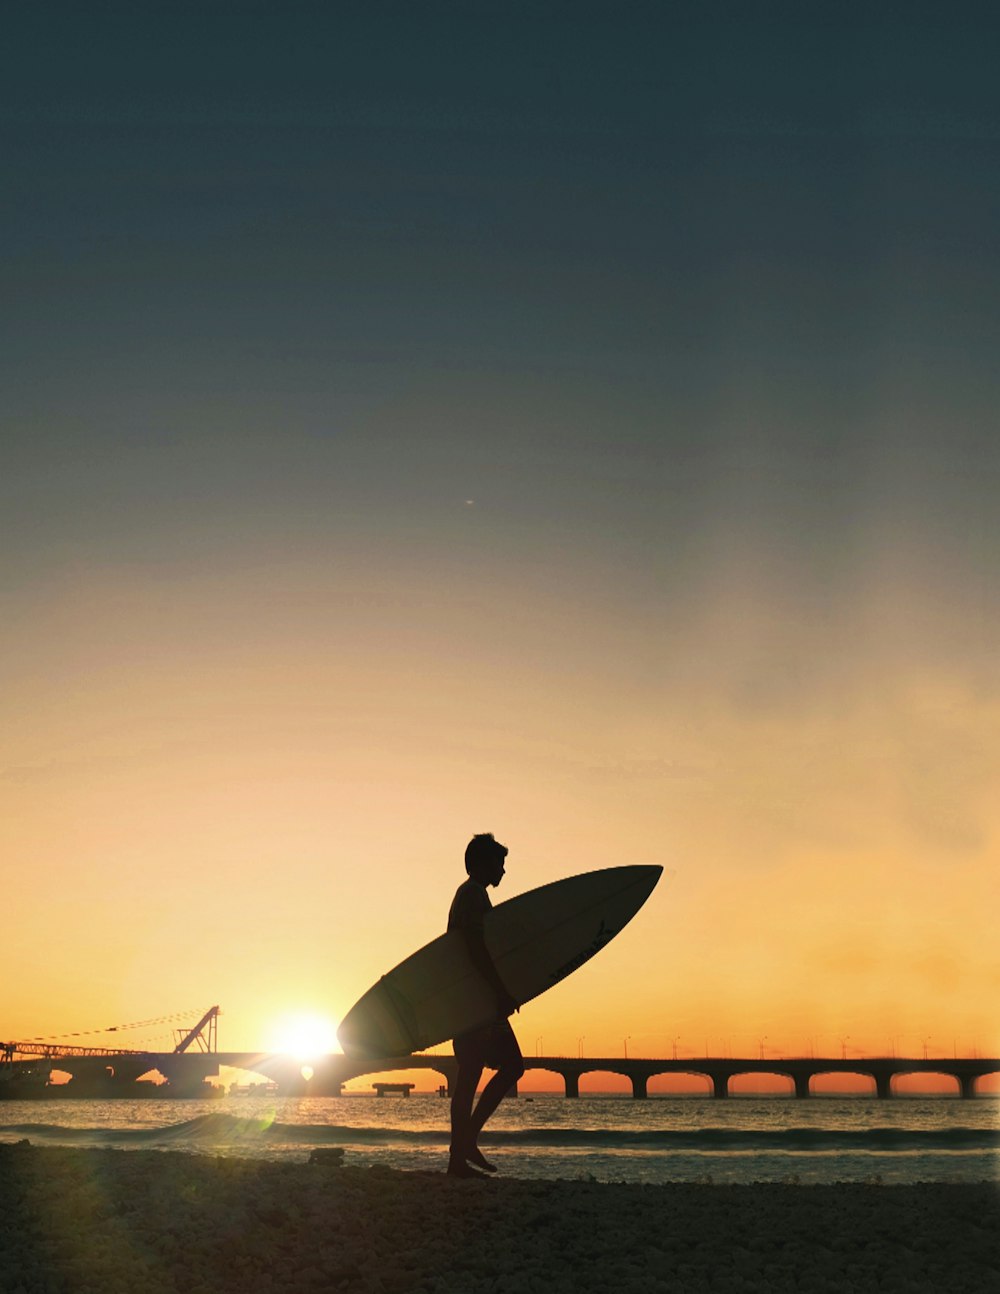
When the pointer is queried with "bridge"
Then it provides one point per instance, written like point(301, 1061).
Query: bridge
point(106, 1071)
point(331, 1072)
point(116, 1073)
point(801, 1071)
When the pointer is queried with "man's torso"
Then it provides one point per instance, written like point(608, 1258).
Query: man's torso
point(469, 906)
point(493, 1044)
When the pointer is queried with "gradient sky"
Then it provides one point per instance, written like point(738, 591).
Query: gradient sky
point(576, 422)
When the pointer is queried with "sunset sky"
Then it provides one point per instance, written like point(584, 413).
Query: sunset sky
point(573, 422)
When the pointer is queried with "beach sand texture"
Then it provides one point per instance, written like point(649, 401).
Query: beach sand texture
point(106, 1220)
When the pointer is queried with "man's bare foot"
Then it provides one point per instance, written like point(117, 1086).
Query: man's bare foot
point(476, 1156)
point(459, 1168)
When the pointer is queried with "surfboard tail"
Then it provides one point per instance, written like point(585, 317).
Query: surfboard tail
point(375, 1026)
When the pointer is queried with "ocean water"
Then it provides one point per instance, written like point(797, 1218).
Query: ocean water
point(605, 1138)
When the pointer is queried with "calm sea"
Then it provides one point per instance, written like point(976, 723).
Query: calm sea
point(608, 1138)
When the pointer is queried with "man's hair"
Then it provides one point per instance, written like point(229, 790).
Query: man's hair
point(482, 850)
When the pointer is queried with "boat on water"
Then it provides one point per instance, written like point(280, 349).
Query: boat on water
point(21, 1080)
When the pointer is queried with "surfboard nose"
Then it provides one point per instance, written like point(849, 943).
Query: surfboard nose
point(645, 875)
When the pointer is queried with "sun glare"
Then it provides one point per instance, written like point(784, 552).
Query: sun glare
point(304, 1035)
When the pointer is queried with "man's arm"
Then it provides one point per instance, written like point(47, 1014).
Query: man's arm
point(483, 962)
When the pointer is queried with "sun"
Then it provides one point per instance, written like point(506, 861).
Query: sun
point(304, 1035)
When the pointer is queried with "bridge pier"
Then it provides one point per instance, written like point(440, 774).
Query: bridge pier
point(639, 1087)
point(402, 1089)
point(802, 1086)
point(968, 1086)
point(720, 1087)
point(883, 1086)
point(572, 1082)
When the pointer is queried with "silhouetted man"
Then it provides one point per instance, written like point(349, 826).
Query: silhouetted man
point(493, 1046)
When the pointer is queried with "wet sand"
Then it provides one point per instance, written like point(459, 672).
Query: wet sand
point(104, 1220)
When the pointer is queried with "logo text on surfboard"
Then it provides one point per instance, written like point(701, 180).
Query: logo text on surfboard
point(604, 936)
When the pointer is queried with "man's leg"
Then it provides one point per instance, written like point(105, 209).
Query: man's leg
point(492, 1094)
point(466, 1082)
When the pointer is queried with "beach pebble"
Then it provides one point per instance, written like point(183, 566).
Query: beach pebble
point(329, 1156)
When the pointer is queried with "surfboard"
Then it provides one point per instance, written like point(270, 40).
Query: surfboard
point(535, 939)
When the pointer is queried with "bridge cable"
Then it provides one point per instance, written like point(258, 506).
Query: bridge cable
point(122, 1028)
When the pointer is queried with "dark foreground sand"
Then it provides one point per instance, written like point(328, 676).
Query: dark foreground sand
point(103, 1220)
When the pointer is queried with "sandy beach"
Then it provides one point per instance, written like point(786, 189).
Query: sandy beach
point(106, 1220)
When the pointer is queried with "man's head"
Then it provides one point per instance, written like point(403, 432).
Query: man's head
point(484, 859)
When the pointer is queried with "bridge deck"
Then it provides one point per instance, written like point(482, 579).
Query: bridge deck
point(326, 1074)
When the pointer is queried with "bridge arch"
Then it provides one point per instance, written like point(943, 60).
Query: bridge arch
point(557, 1071)
point(604, 1080)
point(929, 1082)
point(425, 1078)
point(671, 1082)
point(845, 1082)
point(771, 1082)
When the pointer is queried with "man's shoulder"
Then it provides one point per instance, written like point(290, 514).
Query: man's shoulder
point(472, 894)
point(473, 887)
point(469, 904)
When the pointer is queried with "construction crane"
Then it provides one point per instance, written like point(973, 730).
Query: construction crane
point(203, 1033)
point(198, 1035)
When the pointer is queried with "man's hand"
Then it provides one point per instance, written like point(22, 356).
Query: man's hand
point(506, 1004)
point(483, 962)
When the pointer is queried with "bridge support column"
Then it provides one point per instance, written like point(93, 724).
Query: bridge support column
point(883, 1086)
point(802, 1085)
point(572, 1082)
point(968, 1082)
point(448, 1086)
point(639, 1087)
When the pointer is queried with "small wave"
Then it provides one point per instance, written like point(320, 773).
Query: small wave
point(206, 1127)
point(722, 1139)
point(227, 1129)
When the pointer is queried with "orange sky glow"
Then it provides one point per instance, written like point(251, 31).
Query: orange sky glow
point(205, 803)
point(583, 431)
